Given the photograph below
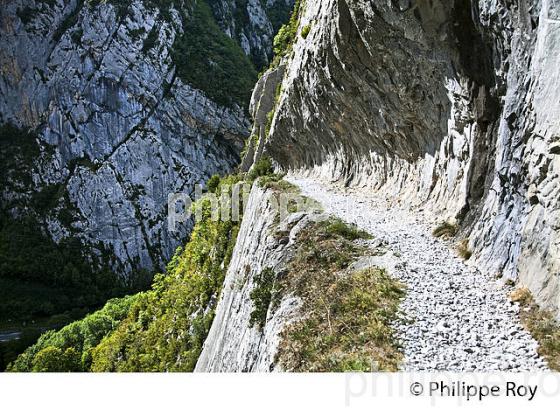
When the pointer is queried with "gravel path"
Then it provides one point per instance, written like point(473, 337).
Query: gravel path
point(461, 319)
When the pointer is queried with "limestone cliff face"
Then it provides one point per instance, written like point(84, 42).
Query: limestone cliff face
point(253, 23)
point(233, 345)
point(450, 106)
point(118, 127)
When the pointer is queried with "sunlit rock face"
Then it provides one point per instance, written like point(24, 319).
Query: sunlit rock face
point(253, 23)
point(118, 128)
point(447, 106)
point(233, 344)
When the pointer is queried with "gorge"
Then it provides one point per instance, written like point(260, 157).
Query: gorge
point(430, 115)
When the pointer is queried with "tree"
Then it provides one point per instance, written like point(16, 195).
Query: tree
point(54, 359)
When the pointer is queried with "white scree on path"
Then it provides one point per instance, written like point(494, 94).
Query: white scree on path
point(459, 318)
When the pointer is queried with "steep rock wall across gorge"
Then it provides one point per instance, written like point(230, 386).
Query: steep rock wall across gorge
point(125, 103)
point(452, 107)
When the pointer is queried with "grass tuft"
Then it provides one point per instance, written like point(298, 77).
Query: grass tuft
point(305, 31)
point(335, 226)
point(445, 230)
point(463, 249)
point(522, 296)
point(541, 324)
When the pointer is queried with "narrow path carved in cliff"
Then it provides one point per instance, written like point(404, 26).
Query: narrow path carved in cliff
point(459, 319)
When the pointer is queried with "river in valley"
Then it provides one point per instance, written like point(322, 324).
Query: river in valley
point(16, 336)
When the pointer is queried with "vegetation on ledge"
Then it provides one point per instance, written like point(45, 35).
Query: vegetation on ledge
point(261, 296)
point(445, 230)
point(541, 324)
point(284, 40)
point(347, 314)
point(463, 249)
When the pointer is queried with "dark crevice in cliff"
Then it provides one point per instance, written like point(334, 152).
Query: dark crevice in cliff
point(476, 61)
point(474, 50)
point(140, 125)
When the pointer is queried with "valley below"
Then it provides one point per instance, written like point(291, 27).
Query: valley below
point(18, 335)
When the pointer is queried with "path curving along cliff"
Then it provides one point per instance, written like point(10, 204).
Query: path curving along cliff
point(455, 318)
point(451, 106)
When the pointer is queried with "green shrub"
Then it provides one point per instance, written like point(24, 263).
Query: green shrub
point(277, 183)
point(261, 168)
point(76, 36)
point(151, 40)
point(278, 13)
point(261, 296)
point(269, 121)
point(284, 40)
point(305, 31)
point(137, 33)
point(53, 359)
point(335, 226)
point(18, 148)
point(69, 21)
point(213, 183)
point(26, 14)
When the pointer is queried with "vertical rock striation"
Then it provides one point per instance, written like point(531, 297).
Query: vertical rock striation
point(253, 23)
point(233, 345)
